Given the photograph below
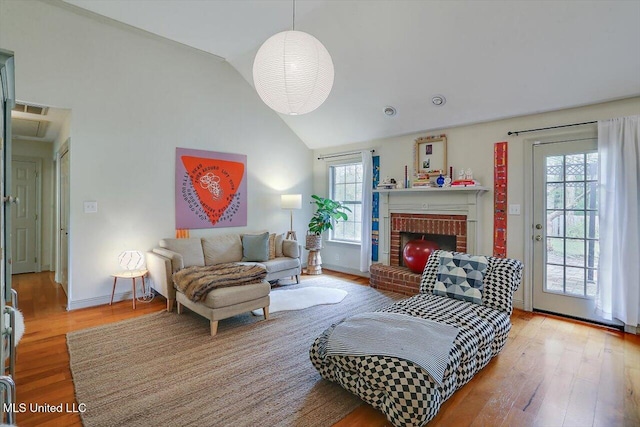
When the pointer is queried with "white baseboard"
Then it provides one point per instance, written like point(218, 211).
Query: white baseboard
point(519, 304)
point(345, 270)
point(631, 329)
point(102, 300)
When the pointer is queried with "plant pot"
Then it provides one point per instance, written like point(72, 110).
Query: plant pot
point(314, 241)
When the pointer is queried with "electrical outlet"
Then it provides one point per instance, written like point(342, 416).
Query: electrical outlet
point(90, 207)
point(337, 257)
point(514, 209)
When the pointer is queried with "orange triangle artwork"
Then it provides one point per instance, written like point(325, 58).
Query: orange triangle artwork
point(215, 181)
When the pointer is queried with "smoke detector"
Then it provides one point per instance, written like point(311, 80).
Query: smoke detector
point(438, 100)
point(390, 111)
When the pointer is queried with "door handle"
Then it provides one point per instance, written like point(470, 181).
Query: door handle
point(538, 226)
point(538, 238)
point(11, 199)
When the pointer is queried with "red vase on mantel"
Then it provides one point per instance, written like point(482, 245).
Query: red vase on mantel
point(416, 253)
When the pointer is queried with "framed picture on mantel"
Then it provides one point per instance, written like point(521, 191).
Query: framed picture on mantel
point(430, 155)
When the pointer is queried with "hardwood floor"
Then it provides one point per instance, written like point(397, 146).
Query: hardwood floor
point(552, 372)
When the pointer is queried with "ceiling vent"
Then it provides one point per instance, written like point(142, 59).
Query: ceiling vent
point(31, 109)
point(29, 128)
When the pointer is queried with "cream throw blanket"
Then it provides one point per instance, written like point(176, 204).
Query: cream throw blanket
point(197, 282)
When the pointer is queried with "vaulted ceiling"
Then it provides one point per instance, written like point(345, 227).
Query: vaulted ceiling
point(490, 59)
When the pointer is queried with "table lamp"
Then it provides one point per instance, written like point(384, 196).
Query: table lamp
point(291, 202)
point(131, 260)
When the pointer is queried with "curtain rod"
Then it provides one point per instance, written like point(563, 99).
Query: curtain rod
point(550, 127)
point(341, 155)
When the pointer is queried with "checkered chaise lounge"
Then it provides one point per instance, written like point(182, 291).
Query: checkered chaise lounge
point(401, 389)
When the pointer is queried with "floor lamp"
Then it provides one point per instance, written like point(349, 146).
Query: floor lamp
point(291, 202)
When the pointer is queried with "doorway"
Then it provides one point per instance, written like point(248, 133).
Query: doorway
point(565, 227)
point(25, 216)
point(40, 134)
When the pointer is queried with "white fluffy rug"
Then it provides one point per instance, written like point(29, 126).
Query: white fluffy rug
point(297, 299)
point(19, 324)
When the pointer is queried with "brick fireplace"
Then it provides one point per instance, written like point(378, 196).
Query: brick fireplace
point(397, 278)
point(405, 215)
point(426, 225)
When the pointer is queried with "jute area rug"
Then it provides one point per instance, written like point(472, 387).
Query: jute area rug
point(163, 369)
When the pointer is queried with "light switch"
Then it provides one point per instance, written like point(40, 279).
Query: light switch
point(90, 207)
point(514, 209)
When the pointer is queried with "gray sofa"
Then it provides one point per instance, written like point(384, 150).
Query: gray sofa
point(283, 260)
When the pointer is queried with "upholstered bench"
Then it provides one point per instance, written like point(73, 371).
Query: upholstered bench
point(226, 302)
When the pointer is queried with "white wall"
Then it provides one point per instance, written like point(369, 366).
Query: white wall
point(63, 135)
point(472, 147)
point(135, 98)
point(44, 152)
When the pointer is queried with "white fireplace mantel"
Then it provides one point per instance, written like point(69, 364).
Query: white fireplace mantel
point(471, 188)
point(430, 200)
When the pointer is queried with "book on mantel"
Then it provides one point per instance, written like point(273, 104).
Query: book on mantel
point(422, 183)
point(465, 183)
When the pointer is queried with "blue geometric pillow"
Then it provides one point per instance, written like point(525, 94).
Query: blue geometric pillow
point(460, 277)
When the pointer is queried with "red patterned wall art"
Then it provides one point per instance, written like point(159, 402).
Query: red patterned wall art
point(500, 199)
point(211, 189)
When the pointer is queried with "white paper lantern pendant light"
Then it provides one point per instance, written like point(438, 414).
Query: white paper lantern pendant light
point(293, 72)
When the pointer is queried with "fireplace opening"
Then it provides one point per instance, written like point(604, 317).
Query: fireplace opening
point(448, 231)
point(444, 242)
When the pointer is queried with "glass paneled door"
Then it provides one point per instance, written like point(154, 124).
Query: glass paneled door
point(7, 347)
point(565, 228)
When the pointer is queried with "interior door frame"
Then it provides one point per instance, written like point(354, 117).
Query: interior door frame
point(65, 148)
point(7, 102)
point(7, 96)
point(528, 146)
point(38, 195)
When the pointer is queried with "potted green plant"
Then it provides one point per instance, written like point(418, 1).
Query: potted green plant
point(327, 210)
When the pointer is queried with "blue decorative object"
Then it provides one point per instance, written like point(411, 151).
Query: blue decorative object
point(440, 181)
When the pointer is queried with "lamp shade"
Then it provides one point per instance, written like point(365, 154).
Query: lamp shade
point(131, 260)
point(291, 201)
point(293, 72)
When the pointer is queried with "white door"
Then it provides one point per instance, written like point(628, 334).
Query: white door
point(24, 217)
point(565, 228)
point(7, 101)
point(64, 222)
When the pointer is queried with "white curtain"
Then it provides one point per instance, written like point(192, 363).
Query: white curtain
point(367, 201)
point(619, 206)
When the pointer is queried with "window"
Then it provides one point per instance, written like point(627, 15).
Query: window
point(346, 188)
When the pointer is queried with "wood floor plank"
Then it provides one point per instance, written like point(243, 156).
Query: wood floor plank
point(608, 414)
point(517, 417)
point(632, 396)
point(582, 403)
point(531, 396)
point(495, 411)
point(545, 376)
point(364, 416)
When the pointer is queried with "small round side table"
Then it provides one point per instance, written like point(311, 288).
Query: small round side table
point(130, 274)
point(314, 261)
